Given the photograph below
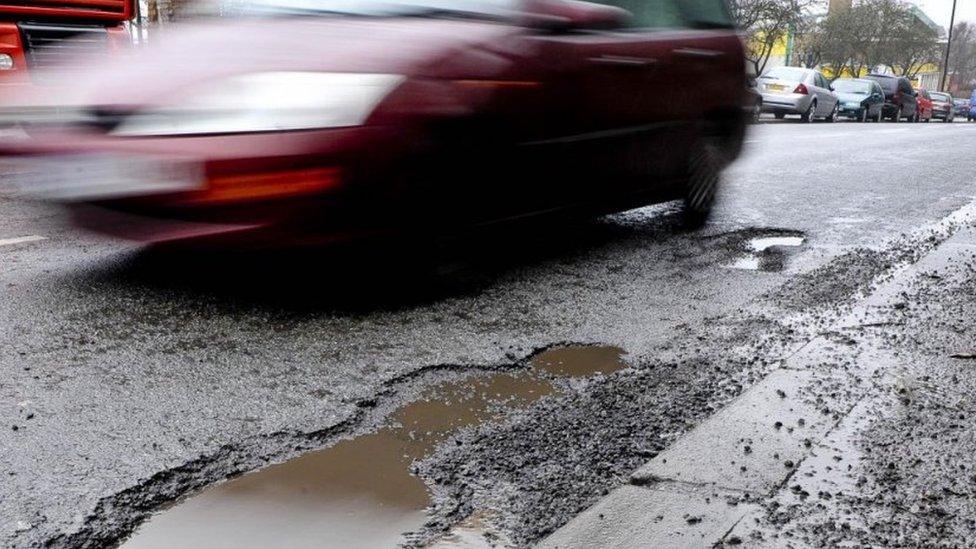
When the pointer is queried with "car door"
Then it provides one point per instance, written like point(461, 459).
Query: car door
point(877, 97)
point(826, 100)
point(908, 98)
point(637, 90)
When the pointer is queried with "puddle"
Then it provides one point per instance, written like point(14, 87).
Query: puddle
point(358, 493)
point(579, 361)
point(767, 254)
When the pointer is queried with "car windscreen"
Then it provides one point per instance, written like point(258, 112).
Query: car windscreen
point(940, 97)
point(852, 86)
point(790, 74)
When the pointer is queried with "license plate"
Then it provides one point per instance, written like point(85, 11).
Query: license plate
point(73, 178)
point(775, 87)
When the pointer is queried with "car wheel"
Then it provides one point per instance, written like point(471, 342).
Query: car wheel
point(833, 114)
point(880, 116)
point(779, 116)
point(864, 116)
point(808, 116)
point(897, 116)
point(757, 111)
point(704, 169)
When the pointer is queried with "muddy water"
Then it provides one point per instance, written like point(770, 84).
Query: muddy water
point(358, 493)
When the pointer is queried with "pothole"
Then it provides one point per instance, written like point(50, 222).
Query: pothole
point(360, 492)
point(768, 253)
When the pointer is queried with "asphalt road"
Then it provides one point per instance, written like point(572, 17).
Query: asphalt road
point(131, 377)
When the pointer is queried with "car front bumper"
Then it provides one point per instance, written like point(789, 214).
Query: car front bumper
point(851, 111)
point(278, 185)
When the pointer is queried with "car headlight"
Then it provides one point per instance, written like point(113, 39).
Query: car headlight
point(264, 102)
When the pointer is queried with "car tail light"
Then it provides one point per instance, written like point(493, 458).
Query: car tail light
point(801, 89)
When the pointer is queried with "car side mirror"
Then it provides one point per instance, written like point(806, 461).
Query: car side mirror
point(570, 15)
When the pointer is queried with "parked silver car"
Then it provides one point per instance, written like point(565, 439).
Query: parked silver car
point(794, 90)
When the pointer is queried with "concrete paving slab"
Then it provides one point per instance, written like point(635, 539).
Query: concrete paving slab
point(667, 514)
point(754, 443)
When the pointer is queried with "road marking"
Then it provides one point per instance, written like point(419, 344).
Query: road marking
point(21, 240)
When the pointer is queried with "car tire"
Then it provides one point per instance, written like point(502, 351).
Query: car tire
point(897, 116)
point(864, 116)
point(704, 174)
point(779, 116)
point(807, 117)
point(833, 114)
point(757, 112)
point(880, 116)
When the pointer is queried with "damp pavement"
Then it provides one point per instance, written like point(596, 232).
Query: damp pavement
point(139, 381)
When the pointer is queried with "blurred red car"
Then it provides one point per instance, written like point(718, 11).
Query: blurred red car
point(332, 119)
point(925, 106)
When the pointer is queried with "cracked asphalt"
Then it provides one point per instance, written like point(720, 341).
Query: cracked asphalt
point(133, 377)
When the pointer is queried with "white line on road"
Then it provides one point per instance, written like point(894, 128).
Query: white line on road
point(21, 240)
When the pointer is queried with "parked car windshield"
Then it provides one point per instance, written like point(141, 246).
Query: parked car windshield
point(852, 86)
point(790, 74)
point(936, 96)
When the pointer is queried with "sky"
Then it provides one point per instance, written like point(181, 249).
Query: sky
point(940, 10)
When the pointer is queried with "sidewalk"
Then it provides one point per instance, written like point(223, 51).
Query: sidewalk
point(791, 437)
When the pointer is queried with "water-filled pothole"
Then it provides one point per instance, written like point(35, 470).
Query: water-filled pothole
point(359, 492)
point(768, 253)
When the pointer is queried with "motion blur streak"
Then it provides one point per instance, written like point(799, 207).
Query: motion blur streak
point(332, 119)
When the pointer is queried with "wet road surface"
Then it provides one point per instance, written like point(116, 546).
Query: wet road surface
point(132, 377)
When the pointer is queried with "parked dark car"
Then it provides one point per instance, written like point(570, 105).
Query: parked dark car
point(943, 107)
point(859, 98)
point(389, 117)
point(961, 107)
point(900, 97)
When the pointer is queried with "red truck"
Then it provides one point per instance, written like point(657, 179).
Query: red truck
point(36, 35)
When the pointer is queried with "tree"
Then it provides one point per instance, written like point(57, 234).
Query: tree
point(868, 34)
point(916, 43)
point(962, 56)
point(766, 23)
